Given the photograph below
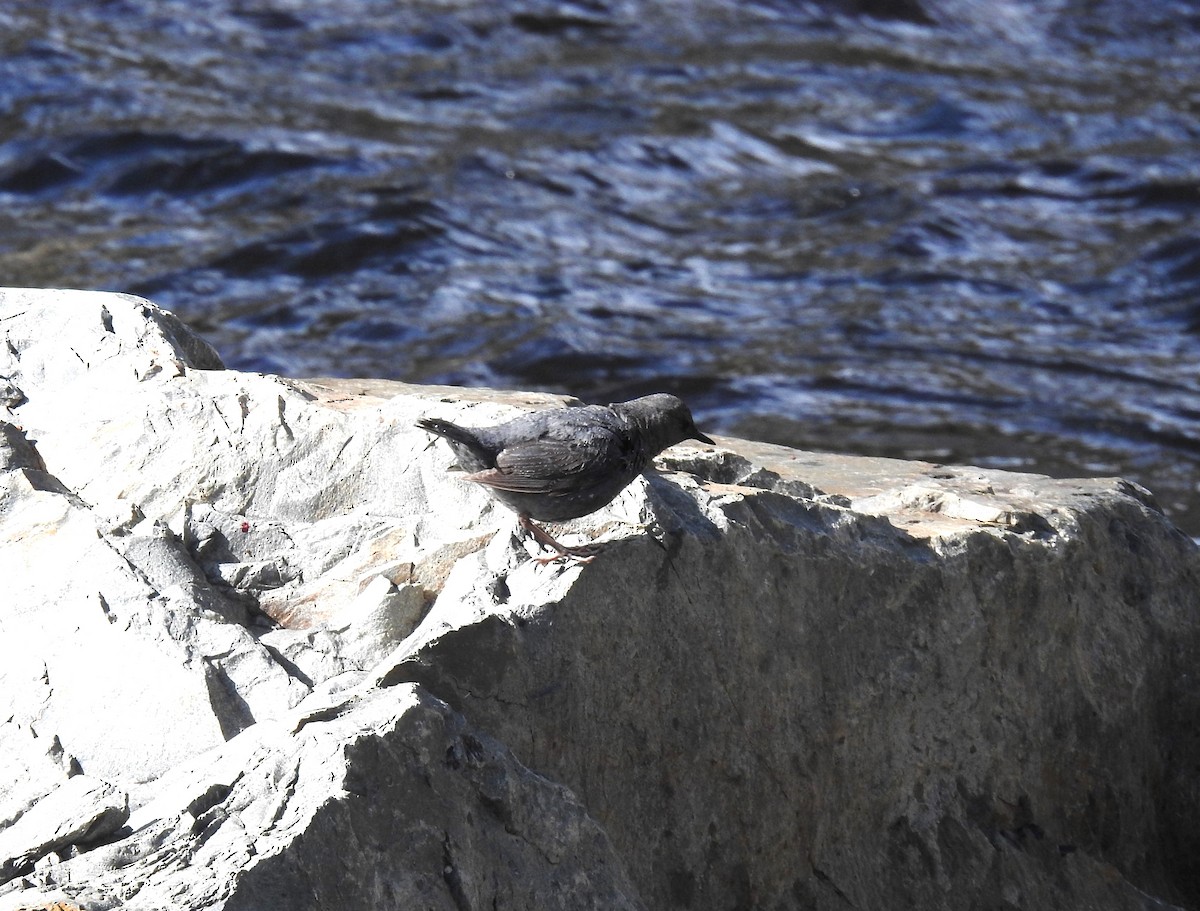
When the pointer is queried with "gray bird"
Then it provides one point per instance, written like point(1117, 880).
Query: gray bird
point(567, 462)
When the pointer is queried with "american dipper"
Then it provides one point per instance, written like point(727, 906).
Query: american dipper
point(567, 462)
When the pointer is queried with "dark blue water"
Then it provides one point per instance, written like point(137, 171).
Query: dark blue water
point(958, 231)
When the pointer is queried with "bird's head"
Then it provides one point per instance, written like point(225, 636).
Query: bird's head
point(663, 419)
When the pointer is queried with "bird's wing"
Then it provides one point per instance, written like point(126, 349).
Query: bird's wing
point(568, 461)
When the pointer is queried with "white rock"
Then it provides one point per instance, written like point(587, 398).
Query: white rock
point(78, 811)
point(265, 610)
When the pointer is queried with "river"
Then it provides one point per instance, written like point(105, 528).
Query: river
point(958, 231)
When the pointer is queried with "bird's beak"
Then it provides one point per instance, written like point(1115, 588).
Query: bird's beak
point(702, 438)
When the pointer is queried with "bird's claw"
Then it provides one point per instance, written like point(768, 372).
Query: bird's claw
point(585, 553)
point(567, 554)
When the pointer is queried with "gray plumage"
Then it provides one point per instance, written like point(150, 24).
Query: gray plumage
point(567, 462)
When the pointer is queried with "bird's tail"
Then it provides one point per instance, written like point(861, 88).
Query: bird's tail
point(449, 431)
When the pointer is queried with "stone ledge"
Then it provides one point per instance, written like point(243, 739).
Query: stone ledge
point(263, 610)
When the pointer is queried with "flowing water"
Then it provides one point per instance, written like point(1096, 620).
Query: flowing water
point(956, 231)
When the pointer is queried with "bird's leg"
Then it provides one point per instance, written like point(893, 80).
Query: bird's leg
point(584, 554)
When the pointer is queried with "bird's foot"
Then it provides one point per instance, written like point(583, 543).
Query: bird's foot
point(584, 554)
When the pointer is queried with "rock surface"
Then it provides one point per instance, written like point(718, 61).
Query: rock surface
point(259, 648)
